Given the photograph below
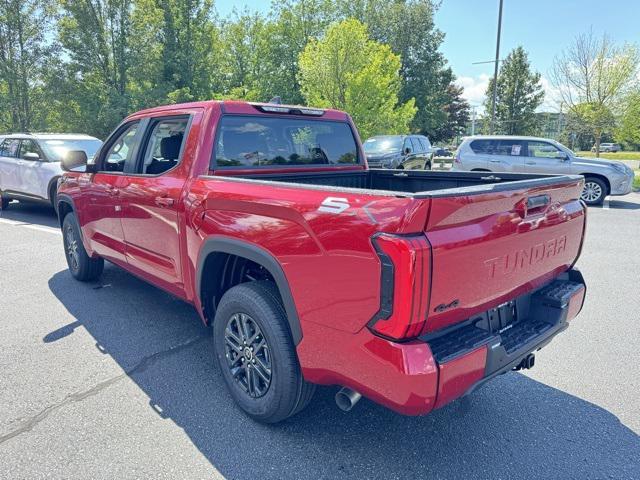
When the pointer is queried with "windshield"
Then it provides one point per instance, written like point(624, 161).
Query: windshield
point(258, 141)
point(56, 148)
point(378, 145)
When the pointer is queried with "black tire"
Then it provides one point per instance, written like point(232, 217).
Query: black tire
point(53, 196)
point(594, 192)
point(4, 202)
point(82, 266)
point(286, 393)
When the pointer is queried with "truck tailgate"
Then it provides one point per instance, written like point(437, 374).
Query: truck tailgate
point(489, 247)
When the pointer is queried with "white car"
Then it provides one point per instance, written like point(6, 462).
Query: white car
point(30, 164)
point(542, 155)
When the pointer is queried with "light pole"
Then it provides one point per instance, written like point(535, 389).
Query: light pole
point(495, 69)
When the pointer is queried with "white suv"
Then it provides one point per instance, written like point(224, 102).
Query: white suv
point(542, 155)
point(30, 164)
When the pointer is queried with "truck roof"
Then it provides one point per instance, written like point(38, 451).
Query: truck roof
point(247, 108)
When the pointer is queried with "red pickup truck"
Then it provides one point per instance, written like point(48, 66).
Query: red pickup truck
point(411, 288)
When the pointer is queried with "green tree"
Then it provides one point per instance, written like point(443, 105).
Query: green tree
point(408, 27)
point(244, 45)
point(457, 112)
point(628, 131)
point(91, 88)
point(349, 71)
point(519, 94)
point(592, 76)
point(190, 49)
point(292, 24)
point(24, 51)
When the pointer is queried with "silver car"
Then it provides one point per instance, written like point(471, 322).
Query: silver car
point(542, 155)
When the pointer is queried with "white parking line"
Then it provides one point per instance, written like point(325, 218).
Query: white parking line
point(31, 226)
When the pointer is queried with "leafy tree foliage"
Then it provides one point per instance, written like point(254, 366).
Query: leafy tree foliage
point(457, 115)
point(85, 64)
point(23, 53)
point(349, 71)
point(520, 93)
point(593, 75)
point(628, 131)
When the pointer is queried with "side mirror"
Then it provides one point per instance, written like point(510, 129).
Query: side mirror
point(407, 151)
point(563, 157)
point(74, 159)
point(31, 156)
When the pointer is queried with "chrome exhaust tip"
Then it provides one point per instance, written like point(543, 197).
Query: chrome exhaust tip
point(347, 398)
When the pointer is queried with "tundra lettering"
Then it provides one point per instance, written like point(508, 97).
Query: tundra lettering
point(511, 262)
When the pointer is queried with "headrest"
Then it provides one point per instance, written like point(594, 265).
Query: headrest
point(170, 147)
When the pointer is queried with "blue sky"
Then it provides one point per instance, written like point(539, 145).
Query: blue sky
point(542, 27)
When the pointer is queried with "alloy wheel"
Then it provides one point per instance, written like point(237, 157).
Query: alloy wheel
point(591, 192)
point(72, 247)
point(247, 354)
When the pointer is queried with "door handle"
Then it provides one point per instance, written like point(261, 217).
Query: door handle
point(165, 201)
point(495, 161)
point(530, 163)
point(113, 191)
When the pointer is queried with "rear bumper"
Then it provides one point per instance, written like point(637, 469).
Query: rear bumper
point(415, 377)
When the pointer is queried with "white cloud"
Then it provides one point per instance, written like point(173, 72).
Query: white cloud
point(476, 87)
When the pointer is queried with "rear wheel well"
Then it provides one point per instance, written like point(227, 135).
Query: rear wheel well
point(599, 177)
point(222, 271)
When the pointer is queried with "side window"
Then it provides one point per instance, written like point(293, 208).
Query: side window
point(120, 151)
point(483, 146)
point(9, 148)
point(164, 145)
point(426, 145)
point(543, 150)
point(407, 146)
point(512, 148)
point(29, 146)
point(417, 147)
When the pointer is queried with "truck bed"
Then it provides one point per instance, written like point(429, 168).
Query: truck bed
point(417, 183)
point(512, 232)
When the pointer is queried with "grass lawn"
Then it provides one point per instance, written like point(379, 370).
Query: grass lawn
point(613, 155)
point(636, 180)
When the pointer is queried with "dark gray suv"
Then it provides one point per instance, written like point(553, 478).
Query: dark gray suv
point(410, 152)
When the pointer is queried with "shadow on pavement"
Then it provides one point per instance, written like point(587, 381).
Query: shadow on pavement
point(514, 427)
point(31, 213)
point(624, 205)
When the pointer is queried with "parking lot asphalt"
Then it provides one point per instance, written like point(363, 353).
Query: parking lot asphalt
point(116, 380)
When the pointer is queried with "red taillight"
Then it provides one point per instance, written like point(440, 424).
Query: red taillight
point(405, 285)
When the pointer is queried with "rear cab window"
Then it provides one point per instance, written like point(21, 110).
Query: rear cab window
point(252, 141)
